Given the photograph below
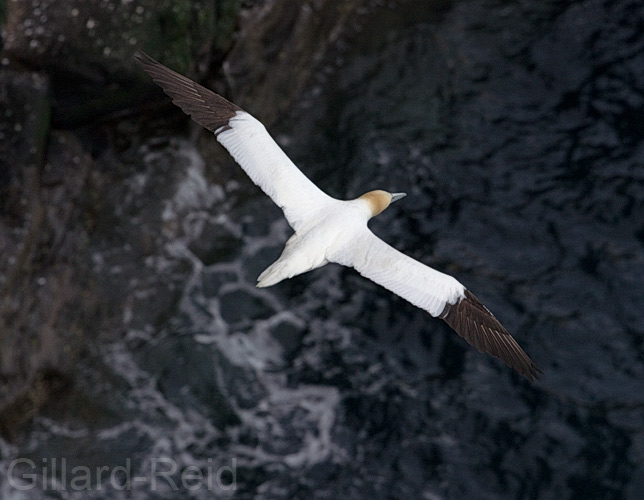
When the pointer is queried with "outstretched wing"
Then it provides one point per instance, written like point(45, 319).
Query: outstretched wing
point(440, 295)
point(246, 140)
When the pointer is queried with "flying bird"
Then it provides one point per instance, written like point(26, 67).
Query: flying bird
point(332, 230)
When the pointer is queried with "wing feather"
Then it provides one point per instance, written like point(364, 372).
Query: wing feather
point(246, 140)
point(415, 282)
point(476, 324)
point(439, 294)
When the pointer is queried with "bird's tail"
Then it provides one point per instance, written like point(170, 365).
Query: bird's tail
point(288, 265)
point(272, 275)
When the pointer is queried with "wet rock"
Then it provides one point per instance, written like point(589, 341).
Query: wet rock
point(187, 376)
point(47, 293)
point(242, 385)
point(281, 46)
point(87, 46)
point(3, 14)
point(27, 399)
point(239, 305)
point(216, 243)
point(289, 334)
point(24, 126)
point(214, 279)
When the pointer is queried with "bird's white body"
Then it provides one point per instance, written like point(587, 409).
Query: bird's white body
point(328, 229)
point(332, 230)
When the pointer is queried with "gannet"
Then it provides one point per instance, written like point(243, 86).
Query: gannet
point(332, 230)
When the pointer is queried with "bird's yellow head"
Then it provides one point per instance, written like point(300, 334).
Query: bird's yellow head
point(378, 200)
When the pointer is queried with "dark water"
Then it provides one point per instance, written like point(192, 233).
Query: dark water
point(517, 130)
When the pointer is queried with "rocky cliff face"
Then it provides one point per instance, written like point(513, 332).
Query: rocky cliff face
point(71, 103)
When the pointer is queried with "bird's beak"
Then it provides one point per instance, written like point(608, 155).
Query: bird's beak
point(397, 196)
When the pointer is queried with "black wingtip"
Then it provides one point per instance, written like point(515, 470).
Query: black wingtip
point(141, 56)
point(208, 109)
point(145, 60)
point(472, 321)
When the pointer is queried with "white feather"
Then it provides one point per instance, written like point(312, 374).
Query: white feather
point(415, 282)
point(268, 166)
